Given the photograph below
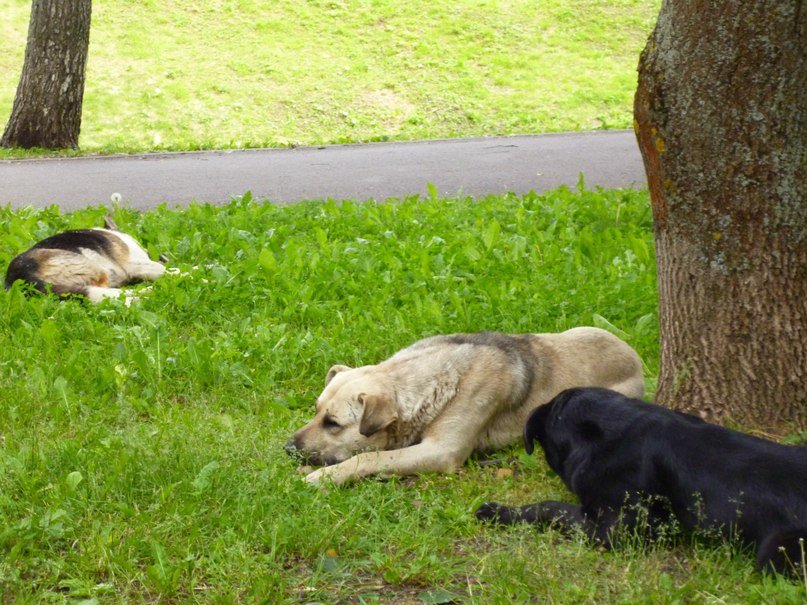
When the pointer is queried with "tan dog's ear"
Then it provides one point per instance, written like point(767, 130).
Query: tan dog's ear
point(333, 372)
point(379, 413)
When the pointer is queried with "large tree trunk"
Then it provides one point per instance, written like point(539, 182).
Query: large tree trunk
point(720, 116)
point(47, 107)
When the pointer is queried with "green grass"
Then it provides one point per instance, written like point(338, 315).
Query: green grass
point(140, 447)
point(224, 74)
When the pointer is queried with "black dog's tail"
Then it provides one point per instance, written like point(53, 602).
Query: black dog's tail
point(784, 552)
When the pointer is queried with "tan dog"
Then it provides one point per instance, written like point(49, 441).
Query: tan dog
point(430, 405)
point(90, 262)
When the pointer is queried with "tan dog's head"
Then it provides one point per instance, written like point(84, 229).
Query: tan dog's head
point(354, 414)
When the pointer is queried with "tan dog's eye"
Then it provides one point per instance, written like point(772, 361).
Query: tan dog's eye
point(330, 423)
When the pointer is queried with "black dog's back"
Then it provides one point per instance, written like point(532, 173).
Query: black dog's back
point(611, 451)
point(751, 483)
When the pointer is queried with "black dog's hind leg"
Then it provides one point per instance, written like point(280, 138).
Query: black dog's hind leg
point(784, 552)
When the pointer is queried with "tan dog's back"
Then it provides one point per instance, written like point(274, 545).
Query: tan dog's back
point(584, 356)
point(591, 357)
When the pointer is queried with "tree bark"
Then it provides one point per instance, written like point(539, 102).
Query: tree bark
point(47, 107)
point(720, 115)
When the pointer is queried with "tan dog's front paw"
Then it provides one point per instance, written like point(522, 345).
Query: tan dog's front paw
point(316, 477)
point(334, 475)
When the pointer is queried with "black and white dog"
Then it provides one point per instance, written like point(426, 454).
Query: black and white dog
point(90, 262)
point(627, 461)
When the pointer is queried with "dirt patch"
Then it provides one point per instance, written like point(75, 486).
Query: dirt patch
point(388, 107)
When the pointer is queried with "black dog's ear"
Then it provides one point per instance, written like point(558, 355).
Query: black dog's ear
point(535, 426)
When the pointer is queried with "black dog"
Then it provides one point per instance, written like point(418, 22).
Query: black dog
point(630, 461)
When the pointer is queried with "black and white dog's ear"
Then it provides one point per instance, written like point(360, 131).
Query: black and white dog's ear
point(110, 224)
point(333, 372)
point(535, 428)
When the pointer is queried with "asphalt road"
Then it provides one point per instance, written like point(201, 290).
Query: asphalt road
point(474, 166)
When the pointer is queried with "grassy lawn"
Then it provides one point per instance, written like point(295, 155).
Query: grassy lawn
point(252, 73)
point(140, 447)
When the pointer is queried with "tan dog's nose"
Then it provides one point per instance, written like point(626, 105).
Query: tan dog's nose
point(293, 450)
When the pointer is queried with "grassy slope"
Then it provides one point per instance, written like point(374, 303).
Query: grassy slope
point(226, 73)
point(140, 447)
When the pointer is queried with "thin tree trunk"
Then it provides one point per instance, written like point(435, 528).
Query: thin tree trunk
point(720, 115)
point(47, 106)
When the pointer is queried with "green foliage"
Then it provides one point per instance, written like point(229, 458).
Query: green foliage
point(140, 447)
point(252, 73)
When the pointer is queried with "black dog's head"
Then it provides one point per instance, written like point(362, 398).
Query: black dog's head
point(575, 421)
